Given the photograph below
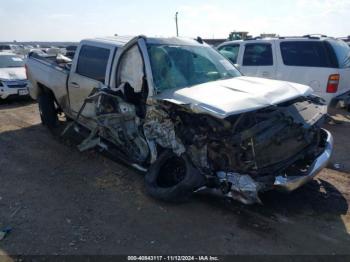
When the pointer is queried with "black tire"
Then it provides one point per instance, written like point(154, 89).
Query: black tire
point(47, 109)
point(172, 178)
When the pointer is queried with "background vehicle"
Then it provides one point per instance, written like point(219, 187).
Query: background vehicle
point(180, 111)
point(320, 62)
point(13, 80)
point(8, 48)
point(70, 51)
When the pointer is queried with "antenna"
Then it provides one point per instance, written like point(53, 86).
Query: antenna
point(177, 26)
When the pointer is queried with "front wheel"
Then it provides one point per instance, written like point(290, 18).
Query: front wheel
point(173, 178)
point(47, 109)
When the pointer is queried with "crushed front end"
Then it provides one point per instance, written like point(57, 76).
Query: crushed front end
point(279, 147)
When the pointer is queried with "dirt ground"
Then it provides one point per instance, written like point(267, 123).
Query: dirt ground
point(60, 201)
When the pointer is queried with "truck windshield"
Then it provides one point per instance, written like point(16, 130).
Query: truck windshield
point(342, 51)
point(176, 66)
point(7, 61)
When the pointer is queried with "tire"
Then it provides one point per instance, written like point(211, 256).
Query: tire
point(172, 178)
point(47, 109)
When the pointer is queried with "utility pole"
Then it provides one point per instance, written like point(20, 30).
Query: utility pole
point(177, 26)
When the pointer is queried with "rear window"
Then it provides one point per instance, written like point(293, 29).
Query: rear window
point(258, 55)
point(307, 53)
point(342, 51)
point(230, 52)
point(92, 62)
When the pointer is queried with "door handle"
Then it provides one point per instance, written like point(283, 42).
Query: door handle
point(265, 73)
point(74, 84)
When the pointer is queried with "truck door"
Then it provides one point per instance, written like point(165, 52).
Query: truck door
point(88, 73)
point(258, 60)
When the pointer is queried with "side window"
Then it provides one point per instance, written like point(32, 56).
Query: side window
point(230, 52)
point(306, 53)
point(131, 69)
point(92, 62)
point(258, 55)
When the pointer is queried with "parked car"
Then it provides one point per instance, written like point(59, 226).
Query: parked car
point(70, 51)
point(178, 110)
point(8, 48)
point(13, 80)
point(320, 62)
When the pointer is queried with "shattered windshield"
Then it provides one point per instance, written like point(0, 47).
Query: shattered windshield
point(176, 66)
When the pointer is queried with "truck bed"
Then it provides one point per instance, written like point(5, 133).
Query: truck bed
point(49, 72)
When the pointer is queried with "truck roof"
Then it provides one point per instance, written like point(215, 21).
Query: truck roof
point(122, 40)
point(111, 40)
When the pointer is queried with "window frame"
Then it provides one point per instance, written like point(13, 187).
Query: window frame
point(259, 43)
point(107, 62)
point(231, 45)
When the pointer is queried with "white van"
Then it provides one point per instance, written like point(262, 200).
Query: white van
point(320, 62)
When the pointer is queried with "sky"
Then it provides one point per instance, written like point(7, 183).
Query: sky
point(73, 20)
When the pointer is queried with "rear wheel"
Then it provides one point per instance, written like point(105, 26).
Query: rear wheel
point(47, 109)
point(172, 178)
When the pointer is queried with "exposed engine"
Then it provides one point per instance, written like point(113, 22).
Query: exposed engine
point(254, 143)
point(256, 146)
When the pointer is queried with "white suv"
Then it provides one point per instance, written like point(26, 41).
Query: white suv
point(320, 62)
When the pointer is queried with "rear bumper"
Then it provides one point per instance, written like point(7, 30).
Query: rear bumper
point(291, 183)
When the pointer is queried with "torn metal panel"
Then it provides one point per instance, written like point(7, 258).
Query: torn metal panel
point(159, 128)
point(242, 187)
point(117, 122)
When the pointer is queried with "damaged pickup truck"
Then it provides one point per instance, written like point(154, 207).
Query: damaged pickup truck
point(179, 111)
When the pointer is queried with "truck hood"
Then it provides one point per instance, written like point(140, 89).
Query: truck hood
point(234, 96)
point(12, 73)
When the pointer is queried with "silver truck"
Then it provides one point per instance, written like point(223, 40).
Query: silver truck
point(179, 111)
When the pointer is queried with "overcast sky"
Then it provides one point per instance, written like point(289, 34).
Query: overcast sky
point(73, 20)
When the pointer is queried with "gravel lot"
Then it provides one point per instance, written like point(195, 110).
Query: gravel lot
point(60, 201)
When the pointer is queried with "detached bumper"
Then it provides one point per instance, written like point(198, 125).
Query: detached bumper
point(290, 183)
